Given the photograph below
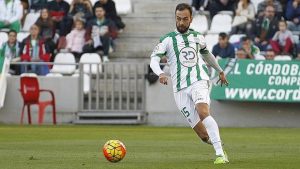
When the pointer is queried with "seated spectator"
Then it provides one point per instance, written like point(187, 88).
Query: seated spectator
point(11, 14)
point(251, 51)
point(224, 48)
point(244, 16)
point(275, 3)
point(199, 5)
point(282, 41)
point(99, 33)
point(37, 5)
point(58, 11)
point(270, 54)
point(264, 28)
point(293, 15)
point(78, 9)
point(11, 51)
point(111, 12)
point(34, 50)
point(47, 29)
point(240, 54)
point(76, 39)
point(221, 5)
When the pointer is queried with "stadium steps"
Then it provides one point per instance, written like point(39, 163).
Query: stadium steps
point(111, 117)
point(149, 21)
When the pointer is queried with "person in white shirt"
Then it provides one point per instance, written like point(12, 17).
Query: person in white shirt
point(11, 14)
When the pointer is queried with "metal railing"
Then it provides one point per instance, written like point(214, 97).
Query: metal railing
point(112, 87)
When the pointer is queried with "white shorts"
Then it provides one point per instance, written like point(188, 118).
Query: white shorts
point(187, 98)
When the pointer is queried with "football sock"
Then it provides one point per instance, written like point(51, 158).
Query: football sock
point(214, 135)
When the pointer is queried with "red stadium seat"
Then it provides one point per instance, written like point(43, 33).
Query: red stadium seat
point(30, 92)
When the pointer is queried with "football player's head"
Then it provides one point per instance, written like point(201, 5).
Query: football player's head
point(183, 16)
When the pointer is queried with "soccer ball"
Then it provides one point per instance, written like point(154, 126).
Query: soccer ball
point(114, 150)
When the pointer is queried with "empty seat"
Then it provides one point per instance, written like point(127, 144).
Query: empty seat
point(22, 35)
point(68, 61)
point(283, 57)
point(211, 40)
point(221, 23)
point(30, 19)
point(123, 7)
point(91, 60)
point(255, 4)
point(54, 75)
point(200, 23)
point(3, 38)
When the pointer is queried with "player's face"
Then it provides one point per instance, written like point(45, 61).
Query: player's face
point(183, 20)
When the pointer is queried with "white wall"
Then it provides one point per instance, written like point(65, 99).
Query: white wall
point(163, 111)
point(66, 94)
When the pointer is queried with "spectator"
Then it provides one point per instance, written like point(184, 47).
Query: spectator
point(251, 51)
point(11, 14)
point(264, 28)
point(221, 5)
point(79, 9)
point(47, 29)
point(76, 39)
point(282, 41)
point(199, 5)
point(37, 5)
point(240, 54)
point(224, 48)
point(11, 50)
point(270, 54)
point(34, 49)
point(293, 15)
point(111, 12)
point(244, 16)
point(99, 33)
point(263, 5)
point(58, 11)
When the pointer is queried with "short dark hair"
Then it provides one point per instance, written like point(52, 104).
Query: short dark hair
point(223, 35)
point(12, 31)
point(244, 38)
point(183, 6)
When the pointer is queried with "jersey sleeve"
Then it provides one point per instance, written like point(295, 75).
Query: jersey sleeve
point(160, 49)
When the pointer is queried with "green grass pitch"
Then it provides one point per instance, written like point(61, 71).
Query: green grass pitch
point(80, 147)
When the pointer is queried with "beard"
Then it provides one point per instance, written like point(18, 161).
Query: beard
point(182, 29)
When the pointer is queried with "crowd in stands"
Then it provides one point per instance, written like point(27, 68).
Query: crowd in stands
point(269, 27)
point(77, 27)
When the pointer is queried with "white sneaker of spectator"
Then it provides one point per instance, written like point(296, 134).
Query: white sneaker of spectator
point(105, 59)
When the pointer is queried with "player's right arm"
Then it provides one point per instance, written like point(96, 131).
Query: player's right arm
point(159, 51)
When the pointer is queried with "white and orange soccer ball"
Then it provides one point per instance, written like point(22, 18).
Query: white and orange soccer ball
point(114, 150)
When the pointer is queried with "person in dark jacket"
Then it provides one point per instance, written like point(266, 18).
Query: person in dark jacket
point(264, 28)
point(221, 5)
point(111, 12)
point(99, 33)
point(224, 48)
point(293, 15)
point(47, 29)
point(58, 11)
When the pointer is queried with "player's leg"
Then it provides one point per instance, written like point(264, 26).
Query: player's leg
point(200, 96)
point(202, 133)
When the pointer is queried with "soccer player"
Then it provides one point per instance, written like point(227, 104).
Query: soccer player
point(183, 48)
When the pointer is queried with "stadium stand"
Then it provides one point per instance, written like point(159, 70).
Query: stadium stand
point(221, 23)
point(211, 40)
point(123, 7)
point(30, 19)
point(200, 23)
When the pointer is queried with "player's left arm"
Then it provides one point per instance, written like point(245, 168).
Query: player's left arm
point(211, 60)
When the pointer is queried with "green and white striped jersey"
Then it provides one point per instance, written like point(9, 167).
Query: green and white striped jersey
point(184, 58)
